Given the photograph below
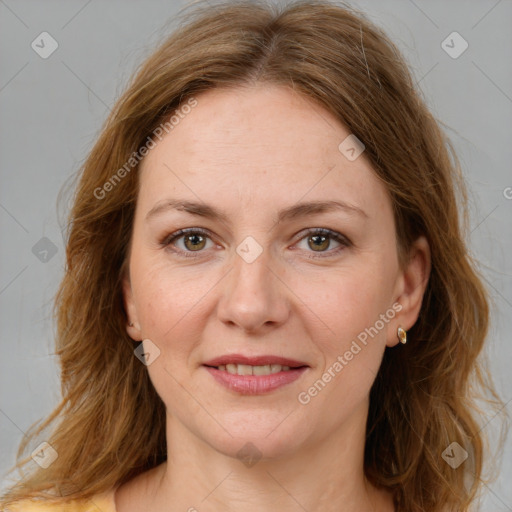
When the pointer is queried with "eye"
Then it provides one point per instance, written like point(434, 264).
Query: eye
point(319, 239)
point(194, 240)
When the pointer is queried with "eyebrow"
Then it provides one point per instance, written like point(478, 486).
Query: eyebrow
point(286, 214)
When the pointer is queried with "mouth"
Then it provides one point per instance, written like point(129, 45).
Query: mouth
point(254, 375)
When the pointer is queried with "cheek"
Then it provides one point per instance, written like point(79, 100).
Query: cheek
point(169, 304)
point(355, 310)
point(352, 346)
point(166, 296)
point(348, 302)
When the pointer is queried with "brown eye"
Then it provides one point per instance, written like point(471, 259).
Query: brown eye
point(319, 242)
point(194, 242)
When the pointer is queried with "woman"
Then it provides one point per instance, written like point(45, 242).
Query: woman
point(268, 304)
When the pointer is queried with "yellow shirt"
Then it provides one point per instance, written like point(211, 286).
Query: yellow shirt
point(98, 503)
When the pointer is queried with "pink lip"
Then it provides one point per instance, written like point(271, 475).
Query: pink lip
point(256, 384)
point(254, 361)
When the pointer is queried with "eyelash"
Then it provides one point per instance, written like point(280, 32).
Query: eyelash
point(338, 237)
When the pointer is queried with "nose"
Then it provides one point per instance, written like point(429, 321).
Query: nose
point(254, 296)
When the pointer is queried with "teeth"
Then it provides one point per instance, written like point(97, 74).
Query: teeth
point(263, 370)
point(245, 369)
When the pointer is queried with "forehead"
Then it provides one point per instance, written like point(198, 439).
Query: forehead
point(259, 144)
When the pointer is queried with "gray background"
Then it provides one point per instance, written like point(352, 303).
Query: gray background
point(52, 109)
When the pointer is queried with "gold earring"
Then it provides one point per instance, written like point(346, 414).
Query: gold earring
point(402, 335)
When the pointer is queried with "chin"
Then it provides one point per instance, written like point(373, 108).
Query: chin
point(250, 450)
point(251, 435)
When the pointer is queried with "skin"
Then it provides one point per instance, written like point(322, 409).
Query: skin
point(250, 152)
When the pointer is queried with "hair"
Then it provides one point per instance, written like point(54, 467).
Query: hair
point(424, 396)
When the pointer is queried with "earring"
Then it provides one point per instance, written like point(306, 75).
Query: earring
point(402, 335)
point(131, 324)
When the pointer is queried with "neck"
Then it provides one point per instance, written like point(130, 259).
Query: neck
point(326, 474)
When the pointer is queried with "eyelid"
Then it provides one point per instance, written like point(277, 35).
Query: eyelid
point(340, 237)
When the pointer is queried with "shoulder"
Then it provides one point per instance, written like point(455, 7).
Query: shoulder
point(104, 502)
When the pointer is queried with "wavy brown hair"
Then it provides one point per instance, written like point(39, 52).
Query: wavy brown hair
point(425, 393)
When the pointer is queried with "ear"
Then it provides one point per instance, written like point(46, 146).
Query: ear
point(411, 286)
point(131, 311)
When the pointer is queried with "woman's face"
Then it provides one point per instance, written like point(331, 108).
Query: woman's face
point(257, 280)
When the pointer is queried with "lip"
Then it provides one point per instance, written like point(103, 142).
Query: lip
point(254, 360)
point(255, 384)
